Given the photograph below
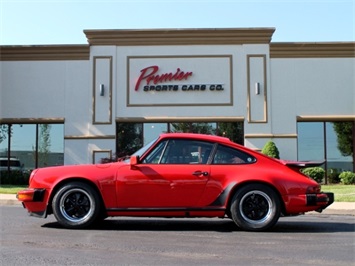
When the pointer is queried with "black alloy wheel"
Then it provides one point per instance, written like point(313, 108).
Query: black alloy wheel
point(76, 205)
point(255, 207)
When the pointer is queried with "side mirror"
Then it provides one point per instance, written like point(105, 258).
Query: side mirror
point(134, 160)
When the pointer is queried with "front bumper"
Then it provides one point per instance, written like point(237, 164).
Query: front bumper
point(323, 200)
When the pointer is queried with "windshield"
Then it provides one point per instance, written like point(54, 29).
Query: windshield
point(142, 150)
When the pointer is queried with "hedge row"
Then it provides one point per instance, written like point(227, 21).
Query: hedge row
point(14, 178)
point(334, 176)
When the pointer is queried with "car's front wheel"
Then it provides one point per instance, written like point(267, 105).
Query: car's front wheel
point(255, 207)
point(76, 205)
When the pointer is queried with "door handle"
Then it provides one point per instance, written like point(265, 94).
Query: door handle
point(199, 173)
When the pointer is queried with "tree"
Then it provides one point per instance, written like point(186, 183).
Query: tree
point(233, 131)
point(4, 131)
point(271, 150)
point(44, 144)
point(203, 128)
point(129, 138)
point(344, 132)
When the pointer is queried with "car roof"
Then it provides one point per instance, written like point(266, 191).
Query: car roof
point(198, 136)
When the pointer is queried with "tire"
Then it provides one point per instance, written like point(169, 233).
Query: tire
point(76, 205)
point(255, 207)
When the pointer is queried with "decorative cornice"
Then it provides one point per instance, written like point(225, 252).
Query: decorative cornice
point(179, 36)
point(83, 137)
point(49, 120)
point(312, 50)
point(44, 52)
point(325, 118)
point(270, 136)
point(166, 119)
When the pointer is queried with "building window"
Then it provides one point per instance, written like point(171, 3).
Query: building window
point(129, 138)
point(34, 145)
point(329, 141)
point(133, 136)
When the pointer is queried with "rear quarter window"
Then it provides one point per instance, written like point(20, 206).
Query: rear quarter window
point(228, 155)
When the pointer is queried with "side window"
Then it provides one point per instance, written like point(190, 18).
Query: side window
point(155, 156)
point(227, 155)
point(180, 151)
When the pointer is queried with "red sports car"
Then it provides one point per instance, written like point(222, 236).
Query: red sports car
point(177, 175)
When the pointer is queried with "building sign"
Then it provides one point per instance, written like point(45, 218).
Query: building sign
point(179, 80)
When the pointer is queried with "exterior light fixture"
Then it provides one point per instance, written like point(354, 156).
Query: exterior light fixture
point(102, 90)
point(257, 88)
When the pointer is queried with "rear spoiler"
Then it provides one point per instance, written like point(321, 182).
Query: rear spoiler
point(300, 164)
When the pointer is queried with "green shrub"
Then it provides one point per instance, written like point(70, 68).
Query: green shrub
point(316, 173)
point(347, 178)
point(333, 176)
point(271, 150)
point(14, 178)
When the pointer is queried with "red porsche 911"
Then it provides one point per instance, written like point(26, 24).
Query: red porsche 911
point(178, 175)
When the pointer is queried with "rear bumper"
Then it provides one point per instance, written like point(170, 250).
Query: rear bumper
point(323, 200)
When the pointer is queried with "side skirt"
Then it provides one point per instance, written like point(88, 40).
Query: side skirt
point(165, 210)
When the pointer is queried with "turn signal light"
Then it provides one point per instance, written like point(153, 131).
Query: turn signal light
point(26, 195)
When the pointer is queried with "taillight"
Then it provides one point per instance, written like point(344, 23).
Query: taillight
point(313, 189)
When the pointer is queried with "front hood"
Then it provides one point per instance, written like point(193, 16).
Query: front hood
point(80, 167)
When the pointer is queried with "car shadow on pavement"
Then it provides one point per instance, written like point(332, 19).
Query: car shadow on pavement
point(223, 226)
point(313, 227)
point(133, 224)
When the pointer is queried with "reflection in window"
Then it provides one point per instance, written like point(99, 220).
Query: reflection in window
point(133, 136)
point(153, 130)
point(310, 141)
point(202, 128)
point(34, 145)
point(50, 145)
point(324, 141)
point(129, 138)
point(232, 130)
point(340, 145)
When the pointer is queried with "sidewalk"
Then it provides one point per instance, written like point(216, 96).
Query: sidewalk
point(341, 208)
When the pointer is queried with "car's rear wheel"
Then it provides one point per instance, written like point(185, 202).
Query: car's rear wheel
point(76, 205)
point(255, 207)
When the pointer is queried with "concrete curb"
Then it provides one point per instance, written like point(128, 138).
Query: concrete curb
point(341, 208)
point(9, 199)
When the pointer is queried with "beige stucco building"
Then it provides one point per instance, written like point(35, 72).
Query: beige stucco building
point(157, 77)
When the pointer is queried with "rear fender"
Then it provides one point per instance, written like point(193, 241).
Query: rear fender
point(225, 198)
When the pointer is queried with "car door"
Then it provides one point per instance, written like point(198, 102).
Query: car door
point(173, 174)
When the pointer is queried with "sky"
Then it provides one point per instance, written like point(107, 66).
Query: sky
point(48, 22)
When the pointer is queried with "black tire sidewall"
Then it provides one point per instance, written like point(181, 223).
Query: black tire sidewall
point(237, 215)
point(95, 205)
